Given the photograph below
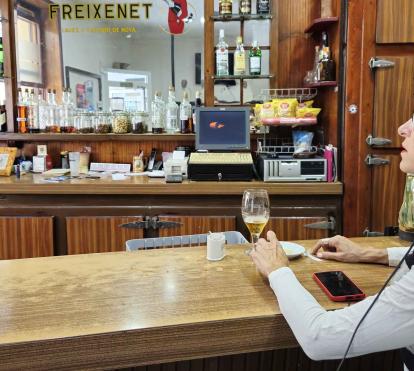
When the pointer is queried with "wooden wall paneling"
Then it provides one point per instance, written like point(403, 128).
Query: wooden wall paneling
point(394, 97)
point(208, 53)
point(9, 54)
point(26, 237)
point(388, 193)
point(394, 21)
point(293, 228)
point(274, 47)
point(86, 235)
point(198, 224)
point(295, 49)
point(359, 91)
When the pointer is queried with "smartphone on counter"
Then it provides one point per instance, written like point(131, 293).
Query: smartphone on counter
point(338, 286)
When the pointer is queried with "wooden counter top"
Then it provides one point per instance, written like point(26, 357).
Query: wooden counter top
point(35, 184)
point(120, 309)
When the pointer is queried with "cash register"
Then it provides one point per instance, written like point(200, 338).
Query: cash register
point(222, 144)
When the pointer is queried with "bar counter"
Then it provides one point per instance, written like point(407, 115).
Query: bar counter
point(122, 309)
point(35, 184)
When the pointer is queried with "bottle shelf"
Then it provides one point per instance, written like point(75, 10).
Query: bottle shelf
point(47, 137)
point(240, 17)
point(242, 77)
point(321, 84)
point(320, 24)
point(289, 121)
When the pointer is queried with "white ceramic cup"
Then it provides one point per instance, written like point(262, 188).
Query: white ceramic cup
point(215, 246)
point(74, 163)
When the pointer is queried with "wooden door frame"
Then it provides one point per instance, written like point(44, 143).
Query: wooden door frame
point(358, 90)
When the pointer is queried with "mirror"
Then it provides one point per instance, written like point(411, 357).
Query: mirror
point(112, 55)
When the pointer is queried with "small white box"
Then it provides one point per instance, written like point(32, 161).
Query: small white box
point(39, 164)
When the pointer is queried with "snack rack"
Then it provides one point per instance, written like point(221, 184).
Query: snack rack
point(284, 146)
point(301, 94)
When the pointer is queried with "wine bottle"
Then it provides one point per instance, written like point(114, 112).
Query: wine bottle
point(239, 58)
point(255, 59)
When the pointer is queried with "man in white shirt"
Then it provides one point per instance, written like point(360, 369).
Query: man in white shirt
point(325, 335)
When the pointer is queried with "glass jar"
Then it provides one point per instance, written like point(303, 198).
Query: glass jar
point(86, 123)
point(406, 216)
point(139, 122)
point(103, 124)
point(121, 123)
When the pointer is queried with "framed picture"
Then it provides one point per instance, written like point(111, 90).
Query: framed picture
point(7, 156)
point(86, 88)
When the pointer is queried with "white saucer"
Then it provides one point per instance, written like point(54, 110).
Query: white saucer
point(292, 250)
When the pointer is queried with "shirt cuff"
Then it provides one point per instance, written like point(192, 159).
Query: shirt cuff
point(395, 254)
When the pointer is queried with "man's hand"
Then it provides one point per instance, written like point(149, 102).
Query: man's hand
point(269, 255)
point(344, 250)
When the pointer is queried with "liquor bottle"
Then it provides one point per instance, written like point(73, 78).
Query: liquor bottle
point(263, 6)
point(186, 115)
point(172, 113)
point(1, 58)
point(33, 114)
point(3, 117)
point(225, 7)
point(198, 103)
point(66, 113)
point(327, 64)
point(21, 112)
point(239, 58)
point(51, 124)
point(222, 56)
point(255, 59)
point(158, 114)
point(245, 7)
point(43, 112)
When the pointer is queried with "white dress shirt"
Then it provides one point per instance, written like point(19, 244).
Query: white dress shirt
point(325, 334)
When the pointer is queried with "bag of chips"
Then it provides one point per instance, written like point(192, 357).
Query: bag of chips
point(307, 112)
point(285, 107)
point(307, 104)
point(267, 111)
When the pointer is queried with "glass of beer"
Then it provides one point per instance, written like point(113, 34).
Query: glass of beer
point(255, 212)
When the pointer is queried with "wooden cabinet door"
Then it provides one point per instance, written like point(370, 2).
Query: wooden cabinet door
point(394, 21)
point(96, 234)
point(384, 99)
point(294, 228)
point(198, 224)
point(388, 193)
point(393, 97)
point(26, 237)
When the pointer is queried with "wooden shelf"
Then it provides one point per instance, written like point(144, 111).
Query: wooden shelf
point(244, 77)
point(319, 24)
point(96, 137)
point(321, 84)
point(241, 17)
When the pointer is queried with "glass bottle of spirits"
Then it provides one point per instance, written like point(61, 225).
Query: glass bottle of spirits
point(33, 114)
point(43, 112)
point(1, 58)
point(263, 6)
point(158, 114)
point(21, 112)
point(3, 117)
point(225, 7)
point(239, 58)
point(255, 59)
point(198, 103)
point(172, 113)
point(245, 6)
point(186, 115)
point(222, 56)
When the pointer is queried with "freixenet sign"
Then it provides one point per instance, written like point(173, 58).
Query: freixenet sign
point(97, 11)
